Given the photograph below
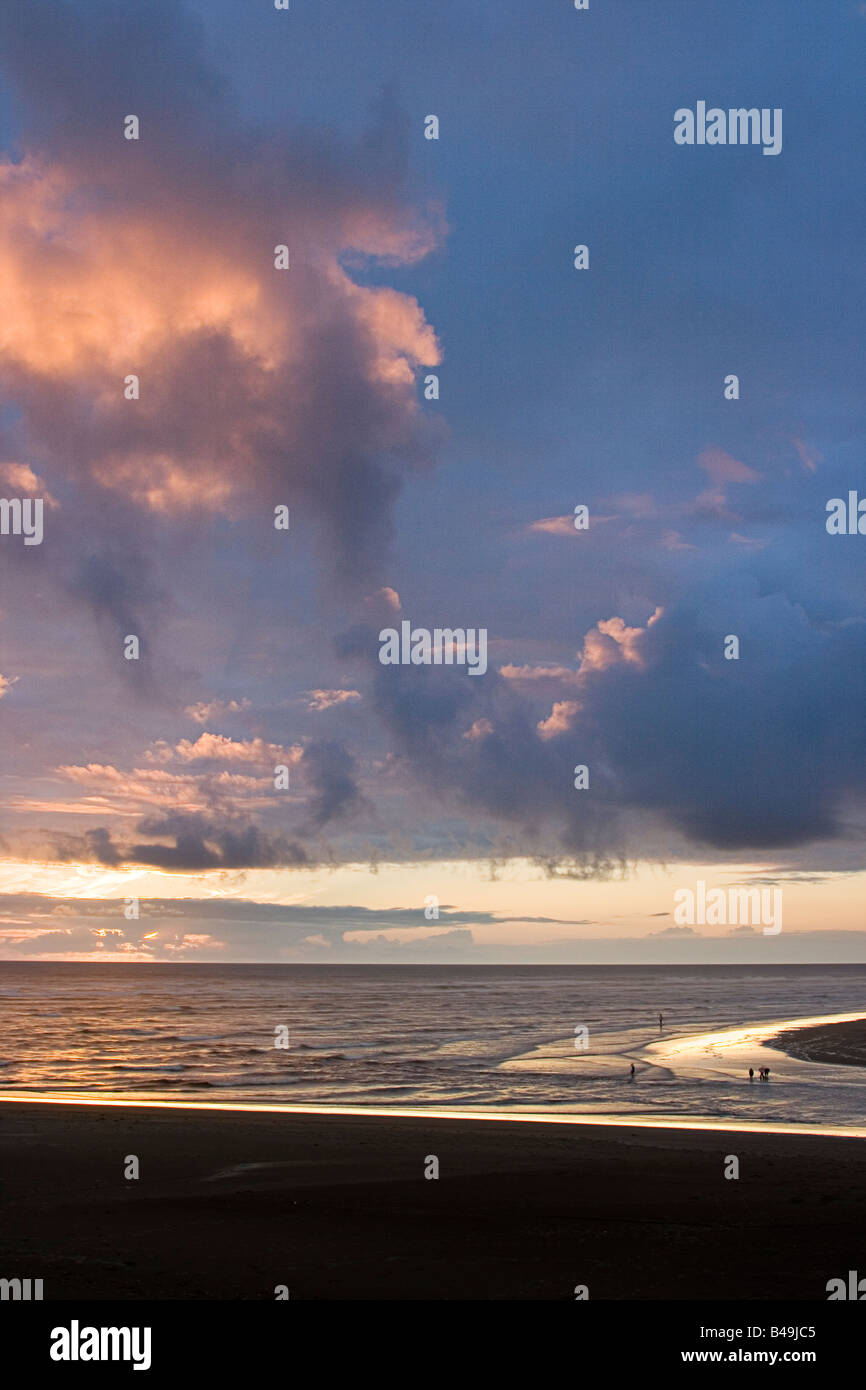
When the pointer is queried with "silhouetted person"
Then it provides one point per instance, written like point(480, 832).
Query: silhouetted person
point(632, 1071)
point(661, 1021)
point(751, 1073)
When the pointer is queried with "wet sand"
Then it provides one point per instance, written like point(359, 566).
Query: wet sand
point(230, 1205)
point(839, 1044)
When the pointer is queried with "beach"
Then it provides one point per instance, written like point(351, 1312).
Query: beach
point(229, 1205)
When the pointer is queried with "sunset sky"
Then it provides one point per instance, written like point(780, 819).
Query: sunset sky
point(259, 388)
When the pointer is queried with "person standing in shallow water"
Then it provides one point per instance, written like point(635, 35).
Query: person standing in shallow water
point(751, 1073)
point(661, 1021)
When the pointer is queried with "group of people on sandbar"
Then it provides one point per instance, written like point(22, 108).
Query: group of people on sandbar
point(763, 1073)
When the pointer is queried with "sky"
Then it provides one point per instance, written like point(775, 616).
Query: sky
point(257, 784)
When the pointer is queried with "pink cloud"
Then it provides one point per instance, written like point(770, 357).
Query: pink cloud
point(209, 709)
point(611, 641)
point(21, 477)
point(385, 598)
point(562, 674)
point(195, 941)
point(480, 729)
point(810, 458)
point(560, 719)
point(223, 749)
point(327, 699)
point(640, 505)
point(554, 525)
point(747, 542)
point(672, 540)
point(306, 378)
point(722, 468)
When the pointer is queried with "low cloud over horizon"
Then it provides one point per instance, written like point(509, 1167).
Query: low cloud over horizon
point(167, 931)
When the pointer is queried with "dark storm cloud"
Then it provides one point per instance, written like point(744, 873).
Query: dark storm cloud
point(511, 774)
point(118, 588)
point(330, 773)
point(200, 844)
point(758, 753)
point(101, 848)
point(85, 60)
point(197, 843)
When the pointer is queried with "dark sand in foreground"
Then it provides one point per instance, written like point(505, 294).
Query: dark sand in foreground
point(337, 1207)
point(841, 1044)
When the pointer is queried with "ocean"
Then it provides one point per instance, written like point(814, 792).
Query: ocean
point(465, 1037)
